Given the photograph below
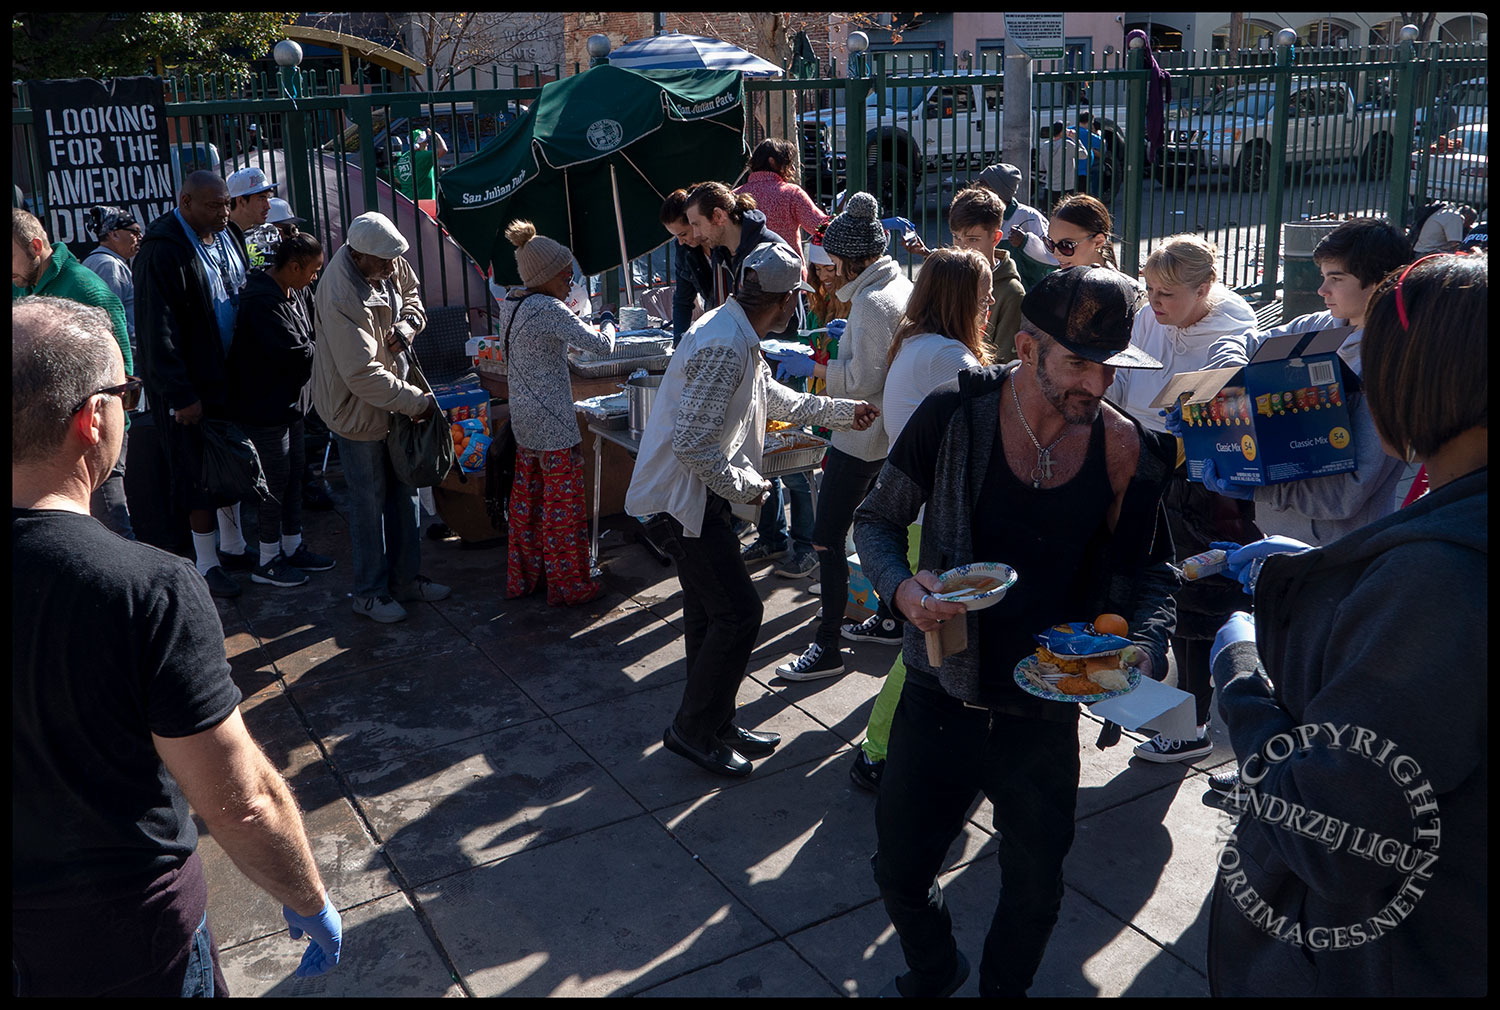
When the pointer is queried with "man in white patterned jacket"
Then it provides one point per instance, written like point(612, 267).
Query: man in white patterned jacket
point(700, 452)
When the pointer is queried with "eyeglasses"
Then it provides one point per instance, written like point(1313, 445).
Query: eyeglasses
point(129, 394)
point(1401, 305)
point(1067, 246)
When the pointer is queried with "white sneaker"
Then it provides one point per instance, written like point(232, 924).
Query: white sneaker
point(813, 664)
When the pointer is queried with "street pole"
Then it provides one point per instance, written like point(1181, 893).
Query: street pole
point(1280, 115)
point(1408, 85)
point(1135, 156)
point(1016, 134)
point(856, 90)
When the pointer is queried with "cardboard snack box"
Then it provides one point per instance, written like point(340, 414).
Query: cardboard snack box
point(1282, 417)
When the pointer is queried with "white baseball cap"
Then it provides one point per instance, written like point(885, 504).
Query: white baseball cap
point(248, 182)
point(281, 211)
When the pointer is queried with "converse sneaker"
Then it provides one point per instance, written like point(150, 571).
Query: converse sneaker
point(761, 551)
point(278, 572)
point(798, 565)
point(873, 629)
point(814, 664)
point(380, 608)
point(1163, 750)
point(1225, 779)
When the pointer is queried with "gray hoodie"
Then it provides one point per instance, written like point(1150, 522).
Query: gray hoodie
point(1384, 630)
point(1319, 510)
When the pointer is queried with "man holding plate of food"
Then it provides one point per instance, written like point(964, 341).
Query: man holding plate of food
point(1023, 464)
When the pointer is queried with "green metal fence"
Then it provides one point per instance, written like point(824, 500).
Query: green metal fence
point(1251, 140)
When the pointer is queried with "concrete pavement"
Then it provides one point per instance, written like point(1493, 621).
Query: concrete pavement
point(494, 814)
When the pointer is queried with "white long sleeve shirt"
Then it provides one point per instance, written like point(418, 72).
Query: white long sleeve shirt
point(1179, 349)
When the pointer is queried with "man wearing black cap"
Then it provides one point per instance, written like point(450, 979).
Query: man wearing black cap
point(1078, 484)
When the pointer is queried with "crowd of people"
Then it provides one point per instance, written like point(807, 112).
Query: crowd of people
point(1001, 407)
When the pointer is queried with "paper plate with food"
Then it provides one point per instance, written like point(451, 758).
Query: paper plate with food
point(1082, 662)
point(978, 585)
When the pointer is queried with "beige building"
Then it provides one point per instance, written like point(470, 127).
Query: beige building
point(1189, 30)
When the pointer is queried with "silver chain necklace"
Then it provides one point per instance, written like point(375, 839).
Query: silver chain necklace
point(1043, 469)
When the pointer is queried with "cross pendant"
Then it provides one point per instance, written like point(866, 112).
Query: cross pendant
point(1043, 470)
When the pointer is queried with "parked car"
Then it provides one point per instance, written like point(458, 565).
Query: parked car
point(918, 128)
point(1458, 167)
point(465, 129)
point(190, 157)
point(1232, 133)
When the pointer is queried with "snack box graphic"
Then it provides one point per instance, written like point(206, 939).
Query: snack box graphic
point(1282, 417)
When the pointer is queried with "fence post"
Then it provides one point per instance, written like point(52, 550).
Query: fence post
point(1271, 257)
point(1409, 81)
point(1135, 159)
point(359, 111)
point(856, 90)
point(1016, 132)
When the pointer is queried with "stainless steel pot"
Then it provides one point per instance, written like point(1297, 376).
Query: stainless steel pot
point(640, 393)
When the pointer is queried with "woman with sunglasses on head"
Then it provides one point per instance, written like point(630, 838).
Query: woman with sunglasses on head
point(1371, 654)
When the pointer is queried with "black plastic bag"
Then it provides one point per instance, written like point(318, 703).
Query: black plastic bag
point(421, 452)
point(231, 466)
point(500, 475)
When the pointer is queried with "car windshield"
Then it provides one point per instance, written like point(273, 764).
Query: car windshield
point(1254, 104)
point(898, 98)
point(1469, 140)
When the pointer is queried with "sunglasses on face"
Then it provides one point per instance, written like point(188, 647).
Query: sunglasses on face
point(1067, 246)
point(129, 394)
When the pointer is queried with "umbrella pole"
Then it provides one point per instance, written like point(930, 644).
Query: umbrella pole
point(614, 183)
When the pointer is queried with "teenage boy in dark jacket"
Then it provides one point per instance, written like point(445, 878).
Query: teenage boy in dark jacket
point(1082, 524)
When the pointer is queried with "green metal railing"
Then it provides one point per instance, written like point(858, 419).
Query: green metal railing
point(919, 131)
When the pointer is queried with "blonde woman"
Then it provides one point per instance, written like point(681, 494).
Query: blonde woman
point(941, 333)
point(1190, 313)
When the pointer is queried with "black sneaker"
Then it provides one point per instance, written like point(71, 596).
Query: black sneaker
point(874, 629)
point(222, 584)
point(243, 562)
point(1225, 780)
point(866, 773)
point(279, 572)
point(814, 664)
point(308, 561)
point(1164, 750)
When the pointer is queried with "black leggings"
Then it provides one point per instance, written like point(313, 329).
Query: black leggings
point(281, 454)
point(846, 481)
point(1191, 656)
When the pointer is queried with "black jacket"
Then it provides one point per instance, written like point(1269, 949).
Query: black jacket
point(271, 357)
point(753, 232)
point(176, 328)
point(694, 277)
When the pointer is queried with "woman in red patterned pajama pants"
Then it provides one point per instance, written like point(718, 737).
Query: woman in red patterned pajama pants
point(549, 539)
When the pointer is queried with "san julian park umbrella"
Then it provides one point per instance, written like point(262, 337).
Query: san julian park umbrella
point(591, 162)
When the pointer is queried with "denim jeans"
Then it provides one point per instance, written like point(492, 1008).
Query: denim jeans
point(384, 519)
point(941, 754)
point(198, 981)
point(846, 481)
point(772, 526)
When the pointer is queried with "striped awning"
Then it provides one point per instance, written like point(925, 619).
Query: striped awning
point(674, 51)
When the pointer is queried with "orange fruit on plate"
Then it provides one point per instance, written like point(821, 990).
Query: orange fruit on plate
point(1111, 624)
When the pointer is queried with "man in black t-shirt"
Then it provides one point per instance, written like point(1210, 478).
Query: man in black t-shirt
point(122, 711)
point(1025, 464)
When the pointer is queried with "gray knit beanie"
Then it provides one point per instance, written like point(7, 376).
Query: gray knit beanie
point(538, 258)
point(857, 233)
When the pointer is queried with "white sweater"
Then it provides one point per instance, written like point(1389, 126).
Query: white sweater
point(1179, 349)
point(877, 298)
point(925, 362)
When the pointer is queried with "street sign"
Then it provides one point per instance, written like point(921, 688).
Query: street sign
point(1038, 35)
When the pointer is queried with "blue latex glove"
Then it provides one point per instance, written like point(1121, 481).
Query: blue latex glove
point(836, 327)
point(793, 365)
point(897, 225)
point(1239, 628)
point(325, 930)
point(1221, 485)
point(1242, 560)
point(1173, 419)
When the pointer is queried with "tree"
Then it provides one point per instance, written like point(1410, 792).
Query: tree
point(453, 42)
point(45, 45)
point(1423, 22)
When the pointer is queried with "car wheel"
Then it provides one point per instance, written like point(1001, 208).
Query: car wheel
point(1377, 159)
point(1253, 173)
point(897, 184)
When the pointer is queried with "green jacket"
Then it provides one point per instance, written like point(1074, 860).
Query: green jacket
point(65, 277)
